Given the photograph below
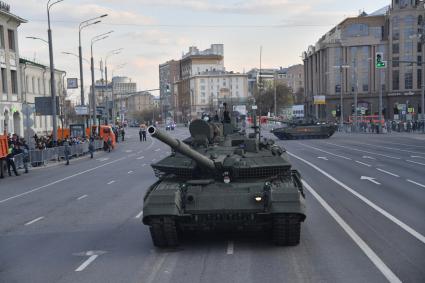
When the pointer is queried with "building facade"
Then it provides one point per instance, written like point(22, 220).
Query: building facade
point(11, 116)
point(341, 64)
point(169, 73)
point(36, 83)
point(134, 104)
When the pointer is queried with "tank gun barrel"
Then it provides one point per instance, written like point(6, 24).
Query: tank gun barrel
point(183, 148)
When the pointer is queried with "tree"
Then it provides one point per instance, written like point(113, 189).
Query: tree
point(265, 99)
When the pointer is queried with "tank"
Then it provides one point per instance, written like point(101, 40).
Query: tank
point(304, 129)
point(219, 179)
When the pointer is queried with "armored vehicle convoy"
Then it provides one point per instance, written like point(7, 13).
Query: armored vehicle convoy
point(304, 129)
point(219, 179)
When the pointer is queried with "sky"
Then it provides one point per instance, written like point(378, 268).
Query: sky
point(152, 32)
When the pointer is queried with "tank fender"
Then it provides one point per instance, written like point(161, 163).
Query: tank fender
point(162, 203)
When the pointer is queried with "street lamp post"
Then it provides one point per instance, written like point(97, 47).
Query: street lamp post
point(83, 25)
point(110, 53)
point(341, 70)
point(93, 97)
point(114, 113)
point(52, 70)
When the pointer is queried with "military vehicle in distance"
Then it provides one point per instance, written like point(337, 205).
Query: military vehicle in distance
point(219, 179)
point(304, 129)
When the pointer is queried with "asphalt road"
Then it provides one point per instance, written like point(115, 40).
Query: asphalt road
point(82, 223)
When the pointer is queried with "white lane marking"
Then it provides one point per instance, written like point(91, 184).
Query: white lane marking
point(144, 165)
point(33, 221)
point(411, 161)
point(386, 172)
point(411, 145)
point(139, 158)
point(416, 156)
point(365, 164)
point(365, 151)
point(86, 263)
point(385, 213)
point(230, 248)
point(83, 196)
point(416, 183)
point(368, 157)
point(392, 148)
point(111, 182)
point(139, 214)
point(322, 157)
point(129, 150)
point(60, 180)
point(129, 172)
point(337, 155)
point(370, 179)
point(158, 149)
point(374, 258)
point(102, 159)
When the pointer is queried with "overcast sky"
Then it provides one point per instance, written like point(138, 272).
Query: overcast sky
point(154, 31)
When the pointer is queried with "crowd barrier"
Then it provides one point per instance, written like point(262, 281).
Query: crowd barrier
point(39, 157)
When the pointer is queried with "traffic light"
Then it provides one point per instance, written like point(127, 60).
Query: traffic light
point(379, 62)
point(338, 111)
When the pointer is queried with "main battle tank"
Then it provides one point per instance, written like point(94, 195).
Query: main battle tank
point(305, 129)
point(221, 180)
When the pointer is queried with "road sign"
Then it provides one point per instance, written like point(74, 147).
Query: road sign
point(81, 110)
point(72, 83)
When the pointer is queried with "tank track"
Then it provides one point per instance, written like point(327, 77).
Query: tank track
point(164, 232)
point(286, 229)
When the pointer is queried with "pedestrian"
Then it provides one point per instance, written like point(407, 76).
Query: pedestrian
point(10, 161)
point(122, 133)
point(26, 152)
point(67, 150)
point(91, 147)
point(140, 134)
point(109, 143)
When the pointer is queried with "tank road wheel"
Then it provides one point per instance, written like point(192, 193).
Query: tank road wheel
point(286, 230)
point(164, 232)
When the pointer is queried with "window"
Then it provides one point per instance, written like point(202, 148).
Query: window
point(408, 79)
point(396, 48)
point(419, 78)
point(396, 34)
point(419, 60)
point(395, 62)
point(202, 87)
point(409, 20)
point(1, 37)
point(408, 32)
point(203, 94)
point(33, 84)
point(202, 81)
point(420, 20)
point(419, 47)
point(403, 3)
point(365, 87)
point(14, 80)
point(11, 35)
point(4, 79)
point(396, 80)
point(355, 30)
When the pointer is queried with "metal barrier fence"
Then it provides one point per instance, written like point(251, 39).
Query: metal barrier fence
point(39, 157)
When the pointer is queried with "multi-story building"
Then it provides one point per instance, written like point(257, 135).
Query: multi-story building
point(169, 73)
point(135, 103)
point(341, 64)
point(123, 85)
point(294, 77)
point(11, 117)
point(36, 83)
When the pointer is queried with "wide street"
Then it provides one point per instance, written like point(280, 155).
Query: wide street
point(365, 197)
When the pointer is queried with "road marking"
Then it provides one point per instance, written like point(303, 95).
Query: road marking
point(33, 221)
point(111, 182)
point(144, 165)
point(102, 159)
point(416, 156)
point(129, 172)
point(370, 179)
point(365, 164)
point(392, 148)
point(411, 161)
point(230, 248)
point(139, 214)
point(83, 196)
point(322, 157)
point(129, 150)
point(368, 157)
point(416, 183)
point(374, 258)
point(60, 180)
point(92, 256)
point(385, 213)
point(386, 172)
point(140, 158)
point(337, 155)
point(365, 151)
point(158, 149)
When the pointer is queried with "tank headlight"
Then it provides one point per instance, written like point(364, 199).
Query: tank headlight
point(258, 198)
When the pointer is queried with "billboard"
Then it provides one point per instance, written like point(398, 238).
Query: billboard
point(71, 83)
point(81, 110)
point(319, 99)
point(43, 106)
point(298, 111)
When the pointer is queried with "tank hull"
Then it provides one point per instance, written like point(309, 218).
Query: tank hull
point(304, 132)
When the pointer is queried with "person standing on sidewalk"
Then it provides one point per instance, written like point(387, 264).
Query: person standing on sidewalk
point(91, 147)
point(67, 150)
point(10, 160)
point(122, 133)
